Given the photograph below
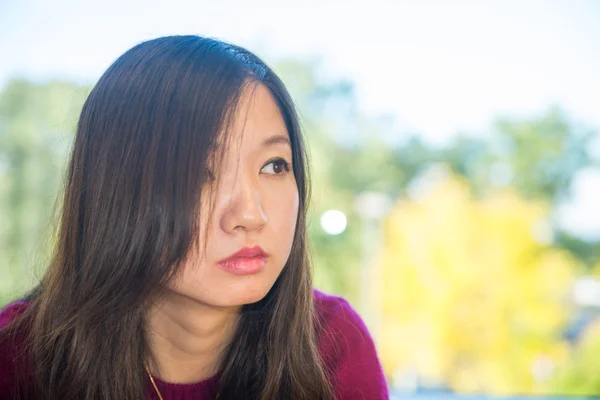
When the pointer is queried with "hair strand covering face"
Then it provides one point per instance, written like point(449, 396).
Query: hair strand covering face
point(128, 219)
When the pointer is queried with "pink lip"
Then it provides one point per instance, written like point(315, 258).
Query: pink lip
point(248, 260)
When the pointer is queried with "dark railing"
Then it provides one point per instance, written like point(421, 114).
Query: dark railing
point(452, 396)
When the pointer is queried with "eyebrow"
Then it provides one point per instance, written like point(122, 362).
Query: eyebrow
point(277, 139)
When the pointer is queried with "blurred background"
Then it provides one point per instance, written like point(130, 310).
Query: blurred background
point(455, 154)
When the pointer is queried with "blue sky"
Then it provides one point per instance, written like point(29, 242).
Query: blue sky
point(438, 67)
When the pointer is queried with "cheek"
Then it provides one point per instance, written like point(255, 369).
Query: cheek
point(279, 237)
point(285, 212)
point(190, 271)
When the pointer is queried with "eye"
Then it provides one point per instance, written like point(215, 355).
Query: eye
point(276, 167)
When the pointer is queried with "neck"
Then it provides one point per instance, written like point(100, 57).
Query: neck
point(187, 338)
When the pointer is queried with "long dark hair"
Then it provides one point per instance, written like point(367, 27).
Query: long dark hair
point(129, 217)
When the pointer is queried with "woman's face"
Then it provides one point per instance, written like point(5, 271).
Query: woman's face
point(255, 210)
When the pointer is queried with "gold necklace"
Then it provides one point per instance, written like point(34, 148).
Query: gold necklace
point(153, 383)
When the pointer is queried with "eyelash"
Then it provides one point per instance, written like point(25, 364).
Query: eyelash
point(280, 161)
point(284, 163)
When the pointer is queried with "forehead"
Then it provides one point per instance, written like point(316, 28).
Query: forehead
point(257, 116)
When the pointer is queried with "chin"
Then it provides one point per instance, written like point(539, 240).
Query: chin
point(235, 296)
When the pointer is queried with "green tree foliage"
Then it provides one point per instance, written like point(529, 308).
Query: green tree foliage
point(535, 158)
point(36, 125)
point(579, 375)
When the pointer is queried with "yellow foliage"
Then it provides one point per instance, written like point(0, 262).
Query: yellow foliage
point(470, 296)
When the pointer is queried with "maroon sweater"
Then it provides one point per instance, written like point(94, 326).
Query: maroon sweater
point(344, 343)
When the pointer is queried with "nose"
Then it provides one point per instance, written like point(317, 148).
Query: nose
point(243, 210)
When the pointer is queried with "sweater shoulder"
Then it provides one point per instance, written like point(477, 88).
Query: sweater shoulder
point(12, 350)
point(348, 350)
point(335, 315)
point(12, 311)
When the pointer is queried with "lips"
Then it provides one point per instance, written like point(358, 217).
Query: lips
point(248, 260)
point(247, 252)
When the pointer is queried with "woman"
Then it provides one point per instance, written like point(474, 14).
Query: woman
point(181, 267)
